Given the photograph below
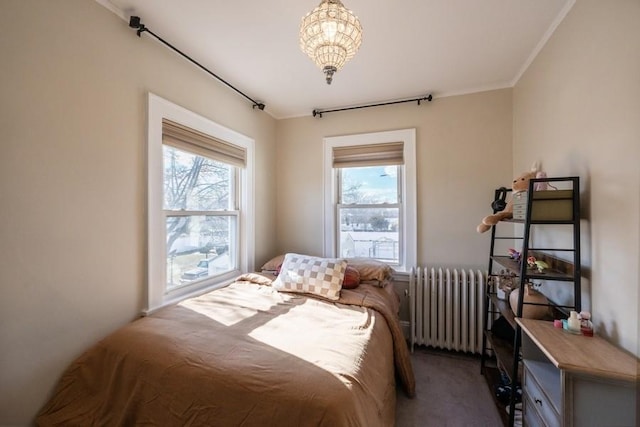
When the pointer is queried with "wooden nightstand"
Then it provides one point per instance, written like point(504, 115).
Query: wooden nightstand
point(573, 380)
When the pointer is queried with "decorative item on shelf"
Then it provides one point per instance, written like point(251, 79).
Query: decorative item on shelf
point(547, 205)
point(330, 35)
point(514, 254)
point(539, 265)
point(505, 282)
point(573, 323)
point(542, 185)
point(530, 311)
point(586, 326)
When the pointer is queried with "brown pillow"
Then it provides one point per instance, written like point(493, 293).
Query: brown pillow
point(371, 269)
point(274, 264)
point(376, 283)
point(351, 278)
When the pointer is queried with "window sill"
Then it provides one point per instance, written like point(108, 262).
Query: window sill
point(181, 294)
point(402, 275)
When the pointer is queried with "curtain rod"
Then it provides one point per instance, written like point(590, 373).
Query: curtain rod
point(134, 22)
point(318, 112)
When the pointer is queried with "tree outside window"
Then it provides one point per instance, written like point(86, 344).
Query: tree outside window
point(198, 200)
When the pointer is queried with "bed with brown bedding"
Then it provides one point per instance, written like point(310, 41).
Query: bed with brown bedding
point(244, 355)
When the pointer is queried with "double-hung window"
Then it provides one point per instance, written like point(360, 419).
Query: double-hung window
point(370, 197)
point(200, 213)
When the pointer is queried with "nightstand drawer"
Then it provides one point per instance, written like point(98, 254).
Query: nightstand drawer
point(536, 399)
point(530, 414)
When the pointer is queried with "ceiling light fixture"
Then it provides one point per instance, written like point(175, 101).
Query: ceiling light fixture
point(331, 35)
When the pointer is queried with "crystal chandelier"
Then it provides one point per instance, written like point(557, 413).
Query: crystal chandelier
point(330, 34)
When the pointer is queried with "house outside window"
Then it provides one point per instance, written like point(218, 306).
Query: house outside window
point(200, 204)
point(370, 197)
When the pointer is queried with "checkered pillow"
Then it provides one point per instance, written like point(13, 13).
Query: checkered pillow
point(307, 274)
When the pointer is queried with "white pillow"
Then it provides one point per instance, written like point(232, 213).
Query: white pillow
point(308, 274)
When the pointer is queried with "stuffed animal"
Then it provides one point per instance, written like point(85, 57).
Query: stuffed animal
point(521, 183)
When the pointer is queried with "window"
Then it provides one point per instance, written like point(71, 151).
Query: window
point(200, 203)
point(368, 213)
point(370, 200)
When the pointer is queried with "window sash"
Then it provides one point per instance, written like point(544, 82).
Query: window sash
point(200, 213)
point(398, 205)
point(369, 205)
point(400, 228)
point(234, 244)
point(399, 178)
point(233, 249)
point(234, 188)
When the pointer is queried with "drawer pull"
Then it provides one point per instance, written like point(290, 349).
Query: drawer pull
point(538, 401)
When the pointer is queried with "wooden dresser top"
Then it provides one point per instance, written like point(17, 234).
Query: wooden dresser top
point(580, 354)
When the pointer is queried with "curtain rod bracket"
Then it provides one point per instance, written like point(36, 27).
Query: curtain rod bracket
point(135, 23)
point(428, 98)
point(319, 112)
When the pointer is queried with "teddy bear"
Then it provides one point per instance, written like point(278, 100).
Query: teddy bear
point(520, 183)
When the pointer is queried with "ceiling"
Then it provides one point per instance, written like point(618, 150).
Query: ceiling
point(410, 48)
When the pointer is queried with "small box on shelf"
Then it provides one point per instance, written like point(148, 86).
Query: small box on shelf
point(547, 205)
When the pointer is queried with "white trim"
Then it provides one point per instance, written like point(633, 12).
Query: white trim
point(409, 183)
point(543, 41)
point(160, 108)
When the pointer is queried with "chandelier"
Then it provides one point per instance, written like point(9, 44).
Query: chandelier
point(330, 34)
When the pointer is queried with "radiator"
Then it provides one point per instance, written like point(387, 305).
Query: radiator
point(446, 308)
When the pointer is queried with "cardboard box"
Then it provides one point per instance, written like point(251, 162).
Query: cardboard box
point(548, 205)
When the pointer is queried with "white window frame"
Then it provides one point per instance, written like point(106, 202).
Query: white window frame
point(408, 182)
point(157, 294)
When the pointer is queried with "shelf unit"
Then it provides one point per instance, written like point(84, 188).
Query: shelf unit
point(539, 212)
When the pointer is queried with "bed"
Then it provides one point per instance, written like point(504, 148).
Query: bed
point(247, 354)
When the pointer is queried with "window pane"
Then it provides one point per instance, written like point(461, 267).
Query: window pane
point(369, 185)
point(194, 182)
point(371, 233)
point(199, 247)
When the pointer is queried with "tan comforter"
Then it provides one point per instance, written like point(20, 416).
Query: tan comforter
point(243, 355)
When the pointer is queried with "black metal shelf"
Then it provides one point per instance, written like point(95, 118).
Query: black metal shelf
point(560, 271)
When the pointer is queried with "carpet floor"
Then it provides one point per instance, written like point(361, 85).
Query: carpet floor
point(450, 392)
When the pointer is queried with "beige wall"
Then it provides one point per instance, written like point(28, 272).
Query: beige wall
point(72, 181)
point(463, 153)
point(577, 108)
